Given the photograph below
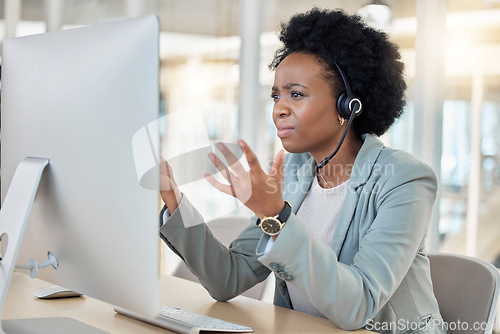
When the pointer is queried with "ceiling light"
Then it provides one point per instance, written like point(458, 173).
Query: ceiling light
point(376, 14)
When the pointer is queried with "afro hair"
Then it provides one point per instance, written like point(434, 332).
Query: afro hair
point(369, 60)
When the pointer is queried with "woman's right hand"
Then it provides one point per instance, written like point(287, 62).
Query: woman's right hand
point(169, 192)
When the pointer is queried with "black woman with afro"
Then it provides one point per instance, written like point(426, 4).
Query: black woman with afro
point(340, 219)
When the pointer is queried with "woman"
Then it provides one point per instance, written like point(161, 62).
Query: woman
point(344, 235)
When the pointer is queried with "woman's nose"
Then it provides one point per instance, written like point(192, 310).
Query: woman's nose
point(280, 109)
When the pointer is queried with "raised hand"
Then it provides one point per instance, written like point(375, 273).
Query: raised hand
point(259, 191)
point(169, 192)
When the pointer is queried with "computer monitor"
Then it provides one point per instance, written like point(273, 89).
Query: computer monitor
point(77, 97)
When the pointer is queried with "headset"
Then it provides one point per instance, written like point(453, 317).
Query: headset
point(349, 106)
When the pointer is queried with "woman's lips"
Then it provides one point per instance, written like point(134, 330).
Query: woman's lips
point(284, 131)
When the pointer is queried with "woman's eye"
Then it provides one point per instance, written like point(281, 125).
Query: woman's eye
point(296, 94)
point(275, 96)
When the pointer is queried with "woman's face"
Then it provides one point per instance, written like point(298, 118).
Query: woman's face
point(305, 112)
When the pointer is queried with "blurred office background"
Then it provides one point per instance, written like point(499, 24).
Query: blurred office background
point(215, 56)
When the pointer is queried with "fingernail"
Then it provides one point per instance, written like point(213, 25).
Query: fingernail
point(240, 143)
point(220, 146)
point(211, 156)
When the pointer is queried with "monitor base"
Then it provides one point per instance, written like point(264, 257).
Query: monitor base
point(48, 326)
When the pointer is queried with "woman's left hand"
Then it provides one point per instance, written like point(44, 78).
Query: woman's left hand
point(259, 191)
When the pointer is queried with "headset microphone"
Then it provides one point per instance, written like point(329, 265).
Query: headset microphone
point(349, 106)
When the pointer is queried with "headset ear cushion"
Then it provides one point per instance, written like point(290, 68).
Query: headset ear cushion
point(343, 106)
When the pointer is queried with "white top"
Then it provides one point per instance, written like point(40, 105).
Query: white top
point(319, 212)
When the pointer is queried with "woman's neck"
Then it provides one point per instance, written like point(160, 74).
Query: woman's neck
point(339, 168)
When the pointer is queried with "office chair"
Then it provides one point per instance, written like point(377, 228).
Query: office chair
point(226, 229)
point(466, 290)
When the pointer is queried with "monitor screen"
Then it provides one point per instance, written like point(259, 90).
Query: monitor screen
point(77, 97)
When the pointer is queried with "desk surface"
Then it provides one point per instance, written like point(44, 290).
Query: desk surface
point(262, 317)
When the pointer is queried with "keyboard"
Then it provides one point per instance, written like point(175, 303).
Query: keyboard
point(183, 321)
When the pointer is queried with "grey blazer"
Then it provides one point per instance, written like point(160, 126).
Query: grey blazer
point(375, 275)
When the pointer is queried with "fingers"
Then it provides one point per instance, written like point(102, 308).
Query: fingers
point(169, 192)
point(243, 183)
point(221, 168)
point(227, 189)
point(163, 165)
point(277, 168)
point(252, 160)
point(240, 184)
point(166, 176)
point(165, 168)
point(231, 159)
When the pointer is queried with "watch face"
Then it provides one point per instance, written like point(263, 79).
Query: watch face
point(270, 226)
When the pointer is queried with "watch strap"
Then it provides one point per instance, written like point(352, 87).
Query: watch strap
point(283, 215)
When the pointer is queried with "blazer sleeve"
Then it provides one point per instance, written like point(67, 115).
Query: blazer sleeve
point(224, 271)
point(352, 294)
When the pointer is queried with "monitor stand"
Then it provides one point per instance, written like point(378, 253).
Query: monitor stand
point(48, 326)
point(13, 218)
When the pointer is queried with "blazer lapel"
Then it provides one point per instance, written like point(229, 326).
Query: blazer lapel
point(344, 219)
point(295, 191)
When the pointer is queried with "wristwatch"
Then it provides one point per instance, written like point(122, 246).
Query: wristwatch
point(273, 225)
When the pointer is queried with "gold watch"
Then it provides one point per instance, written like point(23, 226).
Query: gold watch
point(273, 225)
